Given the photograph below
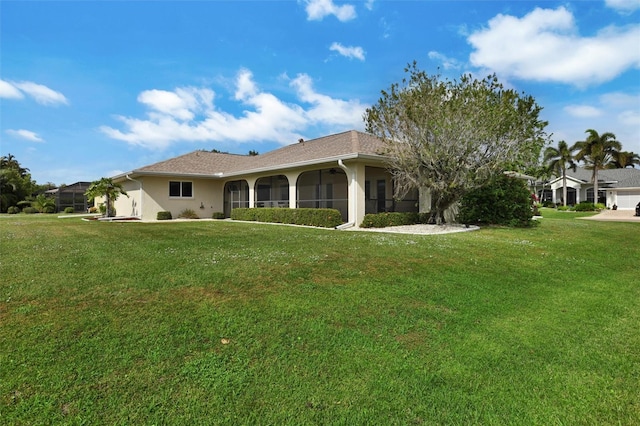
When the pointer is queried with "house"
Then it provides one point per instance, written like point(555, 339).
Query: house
point(71, 196)
point(344, 171)
point(616, 187)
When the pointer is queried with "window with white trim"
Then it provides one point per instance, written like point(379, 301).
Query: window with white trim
point(179, 189)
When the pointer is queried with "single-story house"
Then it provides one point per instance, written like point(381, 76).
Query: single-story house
point(616, 187)
point(344, 171)
point(71, 196)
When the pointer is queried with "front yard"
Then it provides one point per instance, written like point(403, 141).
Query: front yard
point(209, 322)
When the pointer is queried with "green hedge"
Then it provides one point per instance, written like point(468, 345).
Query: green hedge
point(325, 218)
point(586, 206)
point(382, 220)
point(164, 215)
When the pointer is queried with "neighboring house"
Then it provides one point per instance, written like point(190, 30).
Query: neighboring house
point(345, 171)
point(619, 187)
point(71, 196)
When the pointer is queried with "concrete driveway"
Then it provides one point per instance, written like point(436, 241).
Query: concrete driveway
point(615, 216)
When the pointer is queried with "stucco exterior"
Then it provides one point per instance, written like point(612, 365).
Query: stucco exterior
point(345, 171)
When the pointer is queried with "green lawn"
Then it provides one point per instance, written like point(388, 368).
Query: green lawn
point(232, 323)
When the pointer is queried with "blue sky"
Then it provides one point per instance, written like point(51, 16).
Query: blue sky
point(92, 89)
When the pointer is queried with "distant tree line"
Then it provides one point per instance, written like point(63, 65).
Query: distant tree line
point(18, 188)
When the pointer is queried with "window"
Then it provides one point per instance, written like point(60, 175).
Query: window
point(180, 189)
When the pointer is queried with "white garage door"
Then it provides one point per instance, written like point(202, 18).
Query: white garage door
point(628, 199)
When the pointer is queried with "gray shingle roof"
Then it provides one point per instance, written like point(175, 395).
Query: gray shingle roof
point(613, 178)
point(342, 145)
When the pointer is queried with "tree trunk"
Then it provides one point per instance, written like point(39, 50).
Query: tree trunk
point(107, 205)
point(439, 205)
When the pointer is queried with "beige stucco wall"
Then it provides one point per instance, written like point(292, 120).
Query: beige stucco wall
point(207, 198)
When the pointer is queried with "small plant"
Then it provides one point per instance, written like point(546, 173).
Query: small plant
point(69, 210)
point(13, 210)
point(217, 215)
point(563, 208)
point(30, 210)
point(188, 214)
point(164, 215)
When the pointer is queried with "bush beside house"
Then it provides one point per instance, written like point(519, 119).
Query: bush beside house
point(504, 201)
point(325, 218)
point(382, 220)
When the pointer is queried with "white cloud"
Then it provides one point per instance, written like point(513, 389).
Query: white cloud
point(25, 134)
point(41, 94)
point(325, 109)
point(182, 104)
point(624, 6)
point(348, 51)
point(189, 114)
point(447, 63)
point(9, 91)
point(544, 46)
point(583, 111)
point(318, 9)
point(610, 112)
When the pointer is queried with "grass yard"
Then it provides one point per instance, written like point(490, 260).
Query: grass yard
point(232, 323)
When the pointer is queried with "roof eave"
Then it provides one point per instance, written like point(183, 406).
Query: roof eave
point(300, 164)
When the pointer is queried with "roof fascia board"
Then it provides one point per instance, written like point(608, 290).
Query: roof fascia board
point(218, 175)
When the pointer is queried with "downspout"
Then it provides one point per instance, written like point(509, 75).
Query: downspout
point(141, 193)
point(352, 197)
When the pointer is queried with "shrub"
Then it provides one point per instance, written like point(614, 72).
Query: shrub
point(69, 210)
point(217, 215)
point(49, 209)
point(585, 206)
point(164, 215)
point(600, 206)
point(13, 210)
point(563, 208)
point(382, 220)
point(548, 203)
point(325, 218)
point(188, 214)
point(503, 201)
point(29, 210)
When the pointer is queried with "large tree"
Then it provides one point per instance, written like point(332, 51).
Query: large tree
point(452, 136)
point(105, 188)
point(559, 160)
point(597, 152)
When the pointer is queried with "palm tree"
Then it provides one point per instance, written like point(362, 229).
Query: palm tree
point(597, 152)
point(105, 188)
point(623, 159)
point(559, 160)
